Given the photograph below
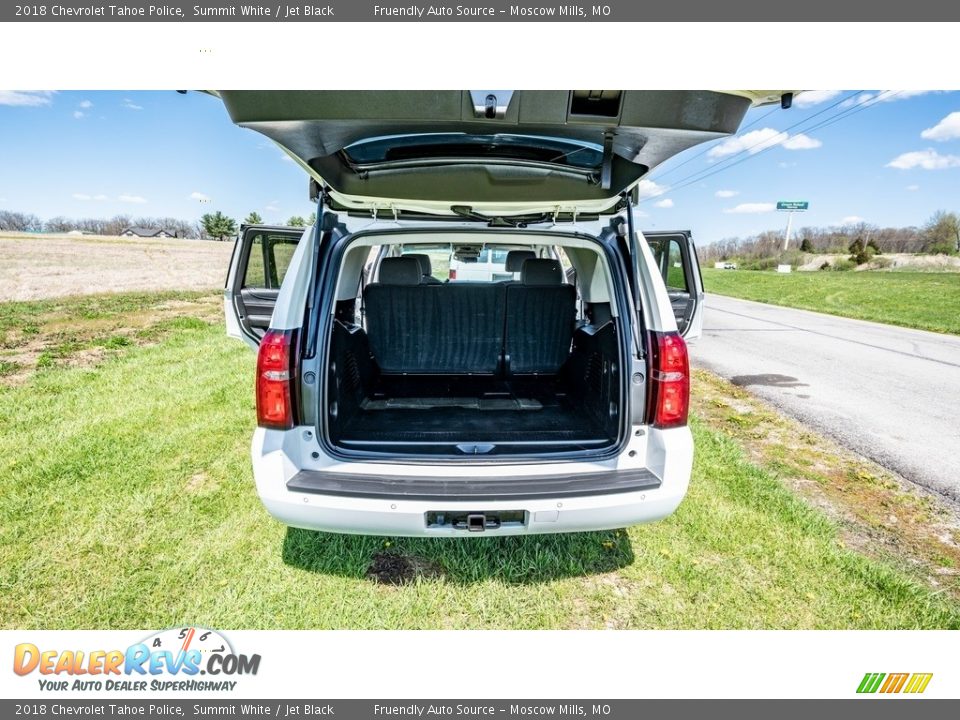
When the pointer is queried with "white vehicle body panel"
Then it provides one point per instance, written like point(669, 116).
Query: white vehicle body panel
point(278, 456)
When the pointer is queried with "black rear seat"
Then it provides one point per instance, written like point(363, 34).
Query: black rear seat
point(516, 259)
point(421, 328)
point(426, 267)
point(541, 310)
point(469, 328)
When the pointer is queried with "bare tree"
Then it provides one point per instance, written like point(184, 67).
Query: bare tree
point(59, 224)
point(942, 232)
point(19, 222)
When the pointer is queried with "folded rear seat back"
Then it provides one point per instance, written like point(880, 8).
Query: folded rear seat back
point(427, 329)
point(541, 310)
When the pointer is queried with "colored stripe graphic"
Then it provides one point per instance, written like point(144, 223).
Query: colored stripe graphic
point(870, 682)
point(918, 682)
point(894, 683)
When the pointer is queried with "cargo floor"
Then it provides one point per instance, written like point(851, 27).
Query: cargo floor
point(503, 413)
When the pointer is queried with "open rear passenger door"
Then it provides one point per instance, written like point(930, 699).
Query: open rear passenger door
point(677, 262)
point(260, 260)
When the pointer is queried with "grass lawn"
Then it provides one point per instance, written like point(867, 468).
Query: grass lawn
point(128, 502)
point(922, 300)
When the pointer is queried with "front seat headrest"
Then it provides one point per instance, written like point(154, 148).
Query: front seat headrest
point(516, 258)
point(424, 260)
point(400, 271)
point(541, 271)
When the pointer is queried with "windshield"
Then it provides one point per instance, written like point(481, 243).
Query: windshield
point(457, 145)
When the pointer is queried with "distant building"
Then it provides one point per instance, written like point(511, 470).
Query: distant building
point(144, 232)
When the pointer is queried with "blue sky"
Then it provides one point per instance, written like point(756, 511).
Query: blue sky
point(893, 159)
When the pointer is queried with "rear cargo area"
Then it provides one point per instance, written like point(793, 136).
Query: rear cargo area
point(466, 410)
point(472, 368)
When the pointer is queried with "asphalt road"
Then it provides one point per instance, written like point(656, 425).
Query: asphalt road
point(889, 393)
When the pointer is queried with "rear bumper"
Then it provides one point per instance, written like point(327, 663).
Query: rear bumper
point(356, 498)
point(472, 489)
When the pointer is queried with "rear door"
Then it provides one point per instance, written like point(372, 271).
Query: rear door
point(496, 152)
point(677, 263)
point(260, 261)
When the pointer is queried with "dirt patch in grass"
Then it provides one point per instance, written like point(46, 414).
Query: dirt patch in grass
point(880, 513)
point(393, 568)
point(36, 336)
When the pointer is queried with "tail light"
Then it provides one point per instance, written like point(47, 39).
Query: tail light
point(276, 370)
point(669, 388)
point(452, 275)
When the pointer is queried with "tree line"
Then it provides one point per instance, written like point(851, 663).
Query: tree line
point(940, 234)
point(211, 226)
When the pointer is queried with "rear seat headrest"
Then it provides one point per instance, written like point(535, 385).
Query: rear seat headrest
point(400, 271)
point(425, 267)
point(541, 271)
point(516, 258)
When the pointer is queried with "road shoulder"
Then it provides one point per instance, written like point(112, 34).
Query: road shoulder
point(880, 514)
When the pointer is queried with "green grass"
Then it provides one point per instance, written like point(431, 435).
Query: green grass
point(922, 300)
point(127, 502)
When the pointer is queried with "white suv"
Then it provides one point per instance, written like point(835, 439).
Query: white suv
point(394, 397)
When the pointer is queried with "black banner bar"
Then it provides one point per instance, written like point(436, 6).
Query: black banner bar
point(873, 708)
point(493, 11)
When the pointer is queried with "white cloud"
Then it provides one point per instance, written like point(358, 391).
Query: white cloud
point(928, 159)
point(131, 105)
point(648, 189)
point(78, 115)
point(851, 220)
point(913, 188)
point(273, 206)
point(751, 208)
point(81, 196)
point(906, 94)
point(786, 164)
point(801, 142)
point(946, 129)
point(640, 213)
point(26, 98)
point(287, 158)
point(814, 97)
point(195, 195)
point(86, 104)
point(665, 203)
point(726, 193)
point(858, 100)
point(136, 199)
point(885, 96)
point(758, 140)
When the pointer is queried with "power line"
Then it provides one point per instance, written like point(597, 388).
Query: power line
point(829, 121)
point(711, 145)
point(728, 162)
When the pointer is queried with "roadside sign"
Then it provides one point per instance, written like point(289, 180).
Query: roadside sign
point(791, 206)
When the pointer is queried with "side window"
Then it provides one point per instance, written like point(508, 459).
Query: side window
point(669, 257)
point(675, 277)
point(268, 261)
